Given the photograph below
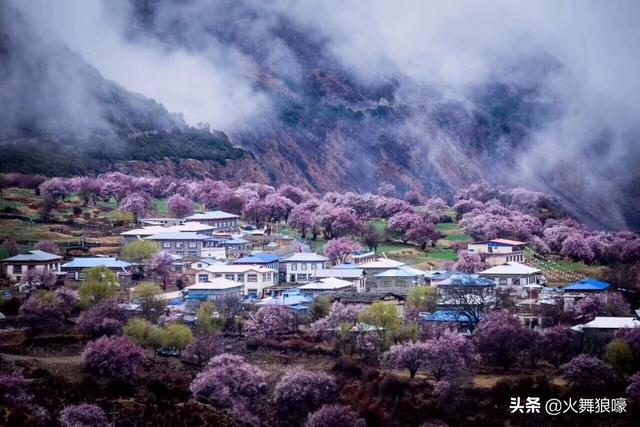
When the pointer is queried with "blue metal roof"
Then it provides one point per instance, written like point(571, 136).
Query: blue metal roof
point(255, 259)
point(267, 257)
point(587, 285)
point(96, 262)
point(446, 316)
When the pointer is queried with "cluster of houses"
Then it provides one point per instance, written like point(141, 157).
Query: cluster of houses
point(219, 259)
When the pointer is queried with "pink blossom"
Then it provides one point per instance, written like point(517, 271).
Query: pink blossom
point(338, 249)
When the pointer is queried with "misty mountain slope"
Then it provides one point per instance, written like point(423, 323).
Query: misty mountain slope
point(341, 97)
point(61, 117)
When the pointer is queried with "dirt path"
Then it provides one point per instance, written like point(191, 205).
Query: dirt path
point(45, 359)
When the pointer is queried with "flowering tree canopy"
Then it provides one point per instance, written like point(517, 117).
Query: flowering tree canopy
point(302, 220)
point(136, 203)
point(468, 262)
point(278, 207)
point(180, 206)
point(228, 380)
point(338, 249)
point(302, 391)
point(410, 356)
point(105, 318)
point(587, 372)
point(335, 416)
point(161, 268)
point(48, 246)
point(556, 345)
point(604, 304)
point(42, 311)
point(402, 222)
point(270, 320)
point(387, 190)
point(113, 357)
point(500, 338)
point(83, 415)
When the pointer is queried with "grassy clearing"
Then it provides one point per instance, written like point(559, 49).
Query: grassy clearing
point(380, 224)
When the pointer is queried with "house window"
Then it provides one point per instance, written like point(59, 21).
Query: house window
point(253, 278)
point(241, 278)
point(301, 278)
point(193, 253)
point(31, 267)
point(193, 245)
point(17, 269)
point(166, 245)
point(264, 277)
point(179, 245)
point(294, 266)
point(303, 266)
point(314, 266)
point(203, 277)
point(252, 293)
point(229, 276)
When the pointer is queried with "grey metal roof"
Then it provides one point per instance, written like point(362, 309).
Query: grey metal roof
point(34, 256)
point(176, 235)
point(305, 257)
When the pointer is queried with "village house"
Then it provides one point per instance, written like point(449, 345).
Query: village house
point(188, 245)
point(371, 268)
point(353, 275)
point(212, 290)
point(574, 292)
point(76, 268)
point(513, 273)
point(598, 333)
point(404, 277)
point(299, 267)
point(218, 219)
point(360, 257)
point(292, 299)
point(254, 278)
point(329, 284)
point(17, 266)
point(192, 227)
point(498, 251)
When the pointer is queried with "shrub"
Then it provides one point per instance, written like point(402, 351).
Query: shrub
point(113, 357)
point(83, 415)
point(100, 284)
point(633, 389)
point(177, 337)
point(619, 355)
point(138, 329)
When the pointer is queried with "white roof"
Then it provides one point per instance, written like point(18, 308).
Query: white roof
point(238, 268)
point(176, 235)
point(170, 295)
point(211, 215)
point(145, 231)
point(382, 263)
point(329, 283)
point(510, 268)
point(402, 271)
point(306, 257)
point(352, 273)
point(35, 255)
point(190, 226)
point(610, 323)
point(215, 284)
